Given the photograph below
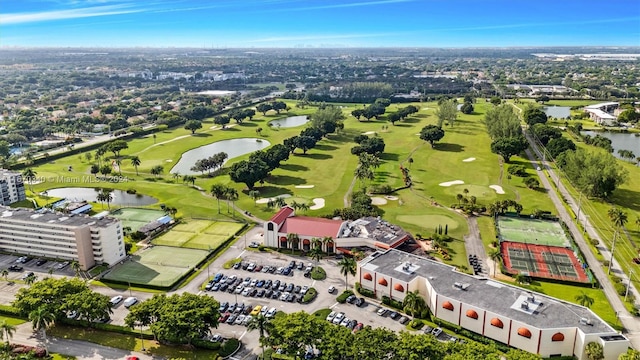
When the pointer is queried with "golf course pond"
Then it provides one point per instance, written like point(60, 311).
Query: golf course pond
point(619, 141)
point(120, 197)
point(291, 121)
point(233, 148)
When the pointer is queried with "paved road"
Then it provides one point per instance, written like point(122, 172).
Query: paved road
point(630, 323)
point(474, 246)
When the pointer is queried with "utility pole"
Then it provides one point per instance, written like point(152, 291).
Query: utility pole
point(628, 285)
point(142, 339)
point(613, 248)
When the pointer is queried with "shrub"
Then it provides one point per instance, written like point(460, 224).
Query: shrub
point(381, 189)
point(229, 263)
point(416, 324)
point(230, 346)
point(309, 296)
point(261, 247)
point(318, 273)
point(621, 289)
point(517, 170)
point(206, 344)
point(393, 303)
point(364, 292)
point(342, 298)
point(131, 191)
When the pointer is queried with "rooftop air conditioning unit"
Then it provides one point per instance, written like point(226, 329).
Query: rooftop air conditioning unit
point(524, 305)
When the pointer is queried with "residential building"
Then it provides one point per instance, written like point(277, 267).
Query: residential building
point(602, 113)
point(11, 187)
point(339, 235)
point(530, 321)
point(87, 240)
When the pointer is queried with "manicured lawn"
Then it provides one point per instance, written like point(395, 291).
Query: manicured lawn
point(12, 320)
point(127, 342)
point(322, 313)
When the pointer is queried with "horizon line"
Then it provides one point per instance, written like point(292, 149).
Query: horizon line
point(305, 47)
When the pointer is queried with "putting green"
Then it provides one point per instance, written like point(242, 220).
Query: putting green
point(429, 221)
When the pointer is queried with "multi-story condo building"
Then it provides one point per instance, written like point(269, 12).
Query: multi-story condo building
point(11, 187)
point(87, 240)
point(530, 321)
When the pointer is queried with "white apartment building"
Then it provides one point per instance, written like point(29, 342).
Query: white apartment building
point(530, 321)
point(87, 240)
point(11, 187)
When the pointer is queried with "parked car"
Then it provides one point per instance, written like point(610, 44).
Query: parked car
point(232, 318)
point(15, 268)
point(245, 266)
point(351, 299)
point(21, 260)
point(224, 317)
point(41, 262)
point(276, 294)
point(258, 268)
point(331, 316)
point(260, 293)
point(292, 264)
point(62, 265)
point(239, 320)
point(25, 276)
point(436, 332)
point(297, 289)
point(268, 284)
point(331, 289)
point(284, 296)
point(382, 312)
point(115, 300)
point(360, 302)
point(300, 265)
point(403, 320)
point(232, 307)
point(251, 267)
point(256, 310)
point(246, 291)
point(427, 329)
point(130, 301)
point(72, 314)
point(276, 285)
point(271, 313)
point(358, 327)
point(215, 287)
point(304, 289)
point(260, 283)
point(237, 265)
point(210, 285)
point(394, 315)
point(289, 287)
point(338, 318)
point(247, 310)
point(268, 293)
point(287, 271)
point(223, 307)
point(345, 321)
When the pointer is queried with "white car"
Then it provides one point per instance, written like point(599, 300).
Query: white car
point(331, 316)
point(272, 312)
point(246, 291)
point(116, 300)
point(345, 321)
point(283, 297)
point(331, 289)
point(239, 289)
point(130, 301)
point(239, 320)
point(304, 290)
point(338, 318)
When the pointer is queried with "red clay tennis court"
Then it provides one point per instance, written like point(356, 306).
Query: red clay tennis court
point(542, 261)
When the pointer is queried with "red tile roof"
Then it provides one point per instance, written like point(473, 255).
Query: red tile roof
point(310, 226)
point(282, 215)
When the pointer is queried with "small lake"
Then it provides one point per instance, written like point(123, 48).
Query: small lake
point(291, 121)
point(120, 197)
point(619, 141)
point(233, 148)
point(558, 112)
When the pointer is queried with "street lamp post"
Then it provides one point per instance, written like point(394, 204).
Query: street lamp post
point(142, 339)
point(626, 293)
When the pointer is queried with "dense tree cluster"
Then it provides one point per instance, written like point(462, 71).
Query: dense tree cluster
point(361, 206)
point(504, 128)
point(533, 115)
point(559, 145)
point(240, 114)
point(402, 114)
point(294, 333)
point(447, 112)
point(599, 141)
point(175, 319)
point(211, 163)
point(545, 133)
point(431, 133)
point(596, 174)
point(370, 145)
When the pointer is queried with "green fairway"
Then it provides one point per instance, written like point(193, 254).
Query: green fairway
point(421, 220)
point(159, 266)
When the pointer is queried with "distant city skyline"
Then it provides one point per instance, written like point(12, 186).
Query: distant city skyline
point(316, 23)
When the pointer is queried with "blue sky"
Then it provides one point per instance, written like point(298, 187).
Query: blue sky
point(289, 23)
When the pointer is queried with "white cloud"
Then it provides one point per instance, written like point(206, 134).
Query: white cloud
point(21, 18)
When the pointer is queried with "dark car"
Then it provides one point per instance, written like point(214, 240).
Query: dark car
point(276, 285)
point(289, 287)
point(237, 266)
point(41, 262)
point(247, 309)
point(272, 269)
point(218, 277)
point(260, 283)
point(300, 265)
point(268, 293)
point(287, 272)
point(253, 292)
point(224, 287)
point(260, 293)
point(291, 298)
point(15, 268)
point(297, 289)
point(394, 315)
point(360, 302)
point(258, 268)
point(351, 299)
point(245, 266)
point(276, 294)
point(292, 264)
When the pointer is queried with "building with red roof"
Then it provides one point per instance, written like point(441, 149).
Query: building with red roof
point(335, 235)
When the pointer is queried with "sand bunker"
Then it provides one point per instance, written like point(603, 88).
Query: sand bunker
point(168, 160)
point(450, 183)
point(266, 200)
point(304, 186)
point(369, 133)
point(498, 189)
point(391, 197)
point(378, 201)
point(318, 203)
point(469, 159)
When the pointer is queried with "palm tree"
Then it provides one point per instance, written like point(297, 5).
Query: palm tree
point(520, 278)
point(218, 190)
point(254, 194)
point(5, 274)
point(6, 330)
point(29, 280)
point(76, 267)
point(107, 196)
point(157, 170)
point(347, 267)
point(263, 325)
point(618, 219)
point(496, 256)
point(291, 239)
point(594, 351)
point(414, 303)
point(119, 163)
point(584, 299)
point(232, 195)
point(135, 162)
point(316, 254)
point(30, 175)
point(42, 319)
point(364, 173)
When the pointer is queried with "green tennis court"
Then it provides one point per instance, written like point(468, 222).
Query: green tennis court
point(532, 231)
point(224, 228)
point(159, 266)
point(173, 238)
point(135, 218)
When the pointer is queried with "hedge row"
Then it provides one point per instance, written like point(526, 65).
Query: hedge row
point(229, 347)
point(311, 294)
point(393, 303)
point(342, 298)
point(365, 292)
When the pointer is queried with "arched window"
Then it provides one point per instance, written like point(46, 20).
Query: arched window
point(472, 314)
point(497, 323)
point(524, 332)
point(557, 337)
point(447, 305)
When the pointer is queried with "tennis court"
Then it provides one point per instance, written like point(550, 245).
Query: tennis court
point(198, 234)
point(541, 261)
point(532, 231)
point(135, 218)
point(158, 266)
